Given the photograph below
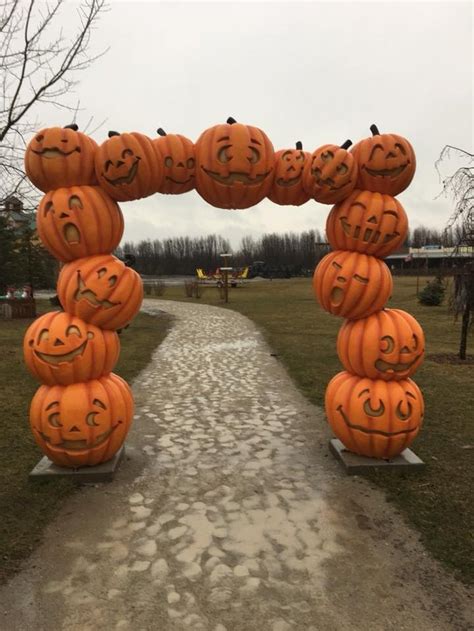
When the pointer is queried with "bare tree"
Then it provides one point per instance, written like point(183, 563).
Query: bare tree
point(458, 183)
point(38, 64)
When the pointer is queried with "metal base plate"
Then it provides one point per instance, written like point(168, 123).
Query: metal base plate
point(105, 472)
point(355, 464)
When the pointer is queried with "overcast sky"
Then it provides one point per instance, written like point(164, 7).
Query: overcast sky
point(317, 72)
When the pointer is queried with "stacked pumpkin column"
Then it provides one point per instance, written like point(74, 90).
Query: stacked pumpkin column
point(373, 406)
point(82, 412)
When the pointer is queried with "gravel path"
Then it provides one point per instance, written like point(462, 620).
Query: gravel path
point(228, 514)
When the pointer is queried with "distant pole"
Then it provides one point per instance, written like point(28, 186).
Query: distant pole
point(226, 285)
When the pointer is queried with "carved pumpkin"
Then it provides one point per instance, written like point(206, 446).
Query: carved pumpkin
point(352, 285)
point(83, 424)
point(387, 345)
point(374, 418)
point(386, 163)
point(330, 174)
point(79, 221)
point(58, 157)
point(287, 189)
point(178, 162)
point(234, 165)
point(100, 290)
point(127, 166)
point(62, 349)
point(367, 222)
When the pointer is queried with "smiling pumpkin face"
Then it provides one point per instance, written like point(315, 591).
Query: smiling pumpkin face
point(287, 189)
point(367, 222)
point(83, 424)
point(57, 157)
point(388, 345)
point(234, 165)
point(352, 285)
point(101, 290)
point(127, 166)
point(60, 349)
point(386, 162)
point(330, 174)
point(374, 418)
point(79, 221)
point(178, 161)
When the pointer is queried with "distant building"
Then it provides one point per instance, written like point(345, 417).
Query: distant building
point(429, 258)
point(17, 217)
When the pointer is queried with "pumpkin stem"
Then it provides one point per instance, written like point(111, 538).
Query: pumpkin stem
point(113, 133)
point(374, 130)
point(161, 131)
point(231, 120)
point(347, 144)
point(73, 126)
point(299, 145)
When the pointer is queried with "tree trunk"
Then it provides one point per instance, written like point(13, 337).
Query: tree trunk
point(464, 331)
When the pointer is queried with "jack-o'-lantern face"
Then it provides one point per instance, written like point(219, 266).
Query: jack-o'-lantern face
point(287, 186)
point(386, 163)
point(387, 345)
point(100, 290)
point(352, 285)
point(179, 163)
point(374, 417)
point(331, 173)
point(367, 222)
point(84, 423)
point(127, 166)
point(58, 157)
point(235, 164)
point(62, 349)
point(79, 221)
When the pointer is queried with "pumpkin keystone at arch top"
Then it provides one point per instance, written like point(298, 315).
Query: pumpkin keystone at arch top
point(386, 163)
point(234, 165)
point(178, 162)
point(330, 174)
point(287, 188)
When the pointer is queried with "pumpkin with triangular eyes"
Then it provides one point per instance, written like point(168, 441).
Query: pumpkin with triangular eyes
point(330, 174)
point(386, 163)
point(83, 424)
point(388, 345)
point(127, 166)
point(79, 221)
point(374, 418)
point(234, 165)
point(287, 189)
point(100, 290)
point(61, 349)
point(352, 285)
point(176, 153)
point(58, 157)
point(367, 222)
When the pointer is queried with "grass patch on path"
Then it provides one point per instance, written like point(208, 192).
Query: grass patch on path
point(438, 502)
point(26, 507)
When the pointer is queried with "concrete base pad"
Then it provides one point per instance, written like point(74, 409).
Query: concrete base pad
point(355, 465)
point(105, 472)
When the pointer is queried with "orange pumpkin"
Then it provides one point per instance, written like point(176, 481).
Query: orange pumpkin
point(58, 157)
point(374, 418)
point(100, 290)
point(79, 221)
point(83, 424)
point(176, 153)
point(330, 174)
point(287, 189)
point(127, 166)
point(387, 345)
point(60, 349)
point(234, 165)
point(367, 222)
point(386, 163)
point(352, 285)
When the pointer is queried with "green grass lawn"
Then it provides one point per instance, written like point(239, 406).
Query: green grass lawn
point(438, 502)
point(26, 507)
